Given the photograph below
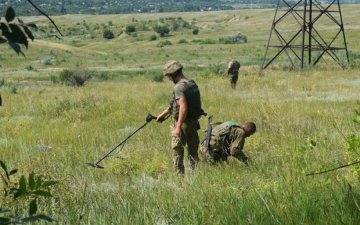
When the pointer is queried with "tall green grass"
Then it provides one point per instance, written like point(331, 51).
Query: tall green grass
point(303, 117)
point(53, 130)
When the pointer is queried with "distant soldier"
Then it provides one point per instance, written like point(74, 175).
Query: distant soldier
point(227, 139)
point(186, 110)
point(233, 71)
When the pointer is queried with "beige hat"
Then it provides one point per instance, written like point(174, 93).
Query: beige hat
point(171, 67)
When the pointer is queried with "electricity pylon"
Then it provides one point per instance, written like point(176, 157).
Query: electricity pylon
point(307, 31)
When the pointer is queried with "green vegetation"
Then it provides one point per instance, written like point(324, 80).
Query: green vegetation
point(307, 121)
point(108, 34)
point(54, 7)
point(28, 190)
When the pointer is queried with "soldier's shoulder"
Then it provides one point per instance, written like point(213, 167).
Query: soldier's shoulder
point(180, 86)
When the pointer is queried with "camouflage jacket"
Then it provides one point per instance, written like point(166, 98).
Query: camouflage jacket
point(228, 139)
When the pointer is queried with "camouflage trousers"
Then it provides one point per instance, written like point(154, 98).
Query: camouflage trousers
point(213, 154)
point(234, 76)
point(189, 137)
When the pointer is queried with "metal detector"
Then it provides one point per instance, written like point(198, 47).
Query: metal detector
point(149, 118)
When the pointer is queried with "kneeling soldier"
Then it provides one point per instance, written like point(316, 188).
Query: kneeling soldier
point(227, 139)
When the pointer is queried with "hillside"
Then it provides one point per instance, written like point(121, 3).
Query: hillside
point(58, 7)
point(83, 42)
point(307, 121)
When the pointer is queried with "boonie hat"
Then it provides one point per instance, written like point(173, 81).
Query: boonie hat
point(171, 67)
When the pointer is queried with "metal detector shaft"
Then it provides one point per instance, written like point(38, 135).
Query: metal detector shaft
point(148, 119)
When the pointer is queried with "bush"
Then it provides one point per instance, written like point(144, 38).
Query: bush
point(29, 67)
point(224, 41)
point(28, 191)
point(74, 77)
point(163, 43)
point(108, 34)
point(217, 69)
point(237, 38)
point(182, 41)
point(130, 29)
point(195, 31)
point(161, 29)
point(46, 62)
point(153, 37)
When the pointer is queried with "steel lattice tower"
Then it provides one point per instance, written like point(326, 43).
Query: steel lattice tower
point(307, 31)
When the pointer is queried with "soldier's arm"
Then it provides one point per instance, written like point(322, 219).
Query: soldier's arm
point(183, 108)
point(228, 70)
point(242, 157)
point(160, 118)
point(236, 149)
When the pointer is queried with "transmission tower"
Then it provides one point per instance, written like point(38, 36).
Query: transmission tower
point(306, 31)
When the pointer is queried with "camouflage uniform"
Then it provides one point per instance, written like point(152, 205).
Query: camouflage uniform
point(233, 70)
point(227, 139)
point(189, 90)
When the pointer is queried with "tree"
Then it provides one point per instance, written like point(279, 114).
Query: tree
point(161, 29)
point(15, 34)
point(130, 29)
point(108, 34)
point(18, 34)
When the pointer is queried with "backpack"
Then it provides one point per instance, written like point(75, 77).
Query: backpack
point(223, 128)
point(235, 65)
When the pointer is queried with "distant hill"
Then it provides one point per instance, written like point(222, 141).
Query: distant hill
point(58, 7)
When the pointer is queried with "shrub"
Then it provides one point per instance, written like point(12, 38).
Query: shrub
point(175, 26)
point(163, 43)
point(130, 29)
point(161, 29)
point(74, 77)
point(29, 191)
point(29, 67)
point(46, 62)
point(217, 69)
point(153, 37)
point(108, 34)
point(182, 41)
point(237, 38)
point(195, 31)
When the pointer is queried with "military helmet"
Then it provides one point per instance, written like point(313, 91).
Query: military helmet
point(171, 67)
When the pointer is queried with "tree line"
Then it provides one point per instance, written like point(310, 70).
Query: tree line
point(58, 7)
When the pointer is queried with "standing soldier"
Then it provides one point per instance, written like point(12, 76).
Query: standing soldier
point(233, 71)
point(186, 110)
point(227, 139)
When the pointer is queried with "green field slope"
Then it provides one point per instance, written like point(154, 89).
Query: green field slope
point(305, 121)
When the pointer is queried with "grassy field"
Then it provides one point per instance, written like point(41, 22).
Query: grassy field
point(304, 120)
